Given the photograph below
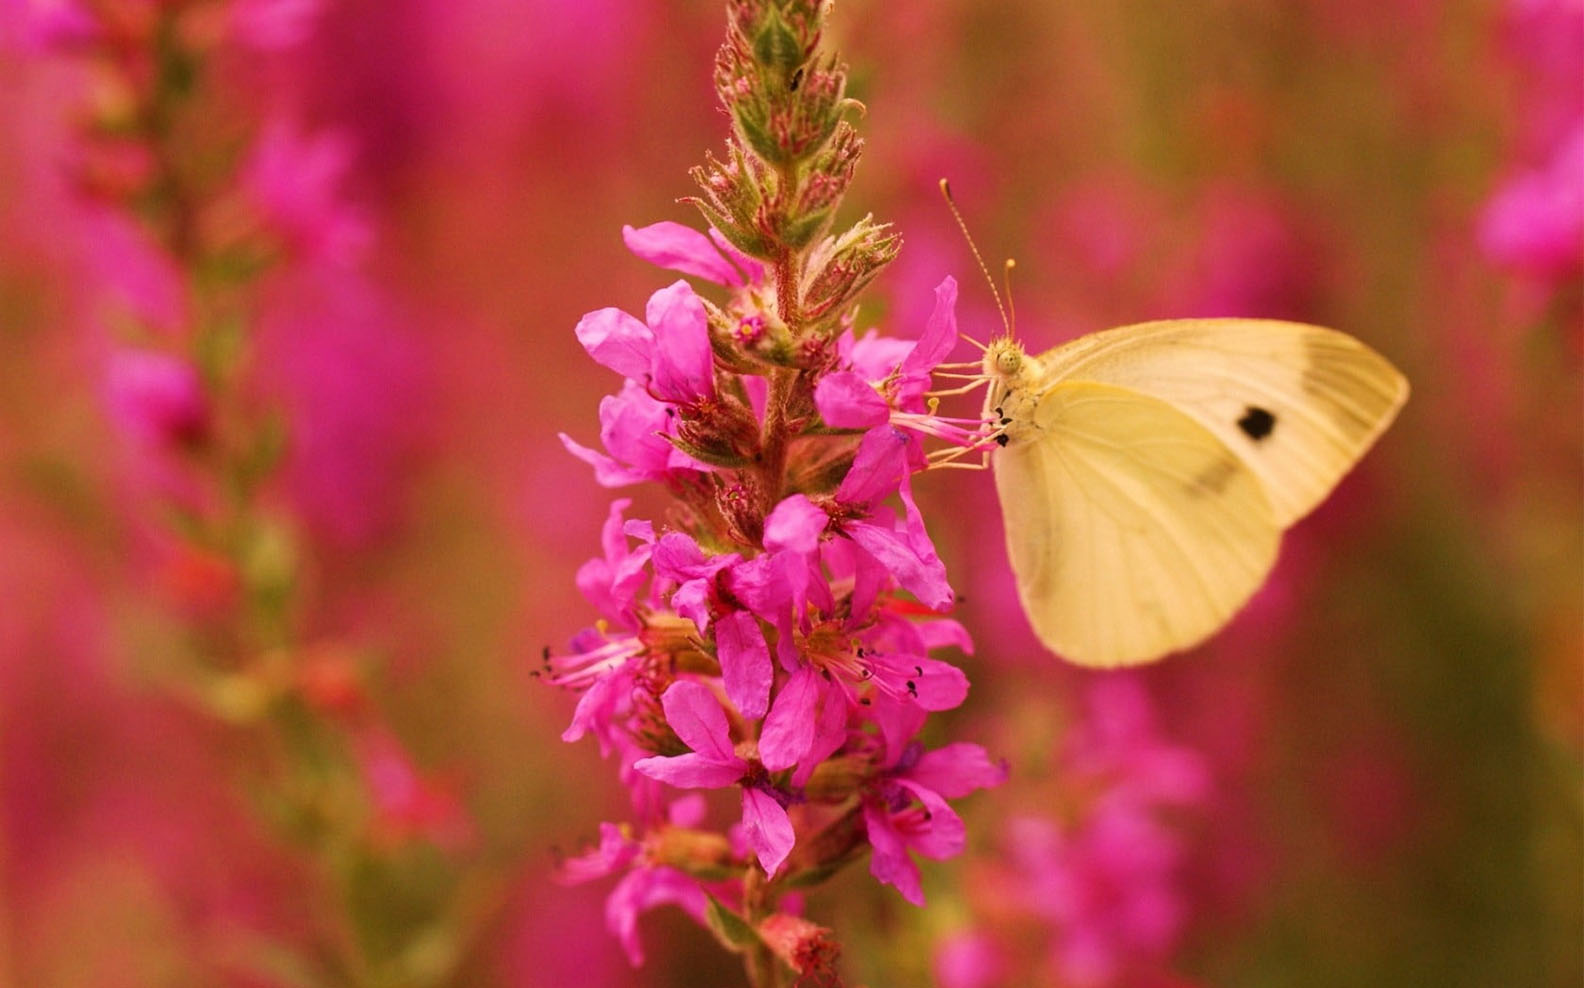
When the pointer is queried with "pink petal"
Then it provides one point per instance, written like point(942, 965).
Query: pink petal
point(795, 524)
point(691, 771)
point(683, 365)
point(681, 248)
point(745, 663)
point(642, 890)
point(925, 578)
point(847, 401)
point(940, 333)
point(697, 717)
point(878, 468)
point(943, 633)
point(889, 861)
point(957, 770)
point(617, 341)
point(769, 829)
point(943, 835)
point(789, 730)
point(607, 472)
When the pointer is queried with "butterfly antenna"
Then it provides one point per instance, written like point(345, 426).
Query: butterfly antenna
point(1006, 282)
point(951, 204)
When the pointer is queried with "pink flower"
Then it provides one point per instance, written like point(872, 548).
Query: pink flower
point(904, 550)
point(274, 24)
point(633, 427)
point(1534, 224)
point(969, 960)
point(698, 720)
point(889, 379)
point(156, 397)
point(294, 180)
point(906, 810)
point(670, 355)
point(406, 803)
point(645, 885)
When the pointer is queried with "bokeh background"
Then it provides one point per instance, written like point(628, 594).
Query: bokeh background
point(1373, 777)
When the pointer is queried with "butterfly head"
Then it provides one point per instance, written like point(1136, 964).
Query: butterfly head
point(1011, 373)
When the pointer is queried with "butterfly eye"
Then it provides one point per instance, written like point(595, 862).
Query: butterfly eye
point(1008, 362)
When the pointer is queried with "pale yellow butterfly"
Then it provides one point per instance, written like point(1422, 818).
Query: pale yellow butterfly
point(1147, 472)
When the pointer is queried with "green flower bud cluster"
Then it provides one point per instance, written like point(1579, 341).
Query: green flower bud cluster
point(788, 162)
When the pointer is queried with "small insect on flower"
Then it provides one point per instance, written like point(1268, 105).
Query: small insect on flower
point(1146, 473)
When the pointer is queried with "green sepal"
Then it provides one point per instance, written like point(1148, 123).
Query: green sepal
point(733, 932)
point(801, 232)
point(776, 47)
point(747, 241)
point(715, 457)
point(751, 129)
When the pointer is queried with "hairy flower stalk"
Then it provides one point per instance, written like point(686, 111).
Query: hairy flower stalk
point(202, 226)
point(772, 636)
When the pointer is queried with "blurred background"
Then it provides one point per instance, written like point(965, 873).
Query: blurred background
point(1372, 778)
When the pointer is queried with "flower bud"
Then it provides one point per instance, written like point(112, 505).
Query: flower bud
point(840, 267)
point(699, 853)
point(807, 948)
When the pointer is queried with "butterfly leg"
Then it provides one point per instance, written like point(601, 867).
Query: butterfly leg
point(978, 382)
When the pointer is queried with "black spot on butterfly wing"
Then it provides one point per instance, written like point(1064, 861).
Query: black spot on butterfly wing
point(1257, 423)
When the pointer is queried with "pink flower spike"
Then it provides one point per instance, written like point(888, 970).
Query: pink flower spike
point(683, 365)
point(846, 401)
point(682, 248)
point(617, 341)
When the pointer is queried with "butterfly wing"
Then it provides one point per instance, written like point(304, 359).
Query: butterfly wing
point(1298, 404)
point(1132, 529)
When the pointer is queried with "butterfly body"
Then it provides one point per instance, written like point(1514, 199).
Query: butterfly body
point(1146, 473)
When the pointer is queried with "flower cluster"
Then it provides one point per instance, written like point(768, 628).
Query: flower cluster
point(777, 645)
point(1533, 223)
point(1090, 898)
point(772, 635)
point(189, 228)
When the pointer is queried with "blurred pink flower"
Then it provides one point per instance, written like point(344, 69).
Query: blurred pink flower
point(156, 397)
point(273, 24)
point(408, 804)
point(969, 960)
point(1100, 884)
point(1534, 223)
point(133, 278)
point(645, 885)
point(295, 180)
point(354, 383)
point(1246, 260)
point(905, 810)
